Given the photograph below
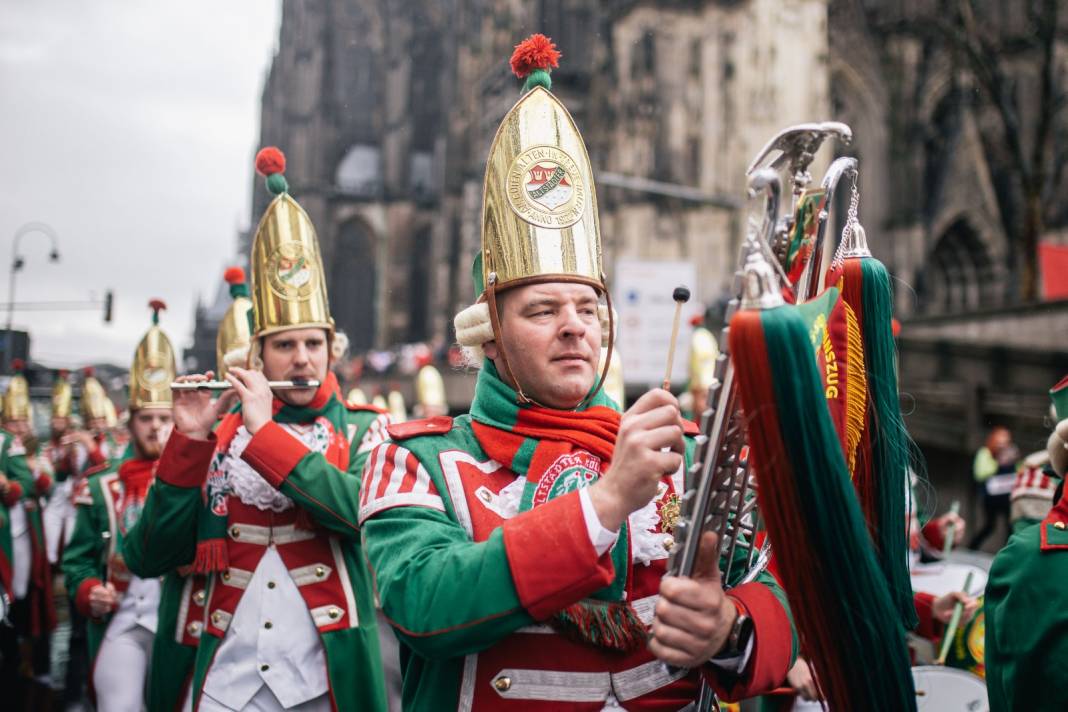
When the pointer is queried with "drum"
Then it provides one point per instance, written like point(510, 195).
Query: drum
point(942, 689)
point(941, 578)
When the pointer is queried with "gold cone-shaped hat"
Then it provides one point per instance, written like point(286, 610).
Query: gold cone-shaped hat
point(430, 388)
point(17, 398)
point(288, 281)
point(235, 328)
point(153, 367)
point(539, 204)
point(398, 411)
point(62, 396)
point(94, 400)
point(703, 355)
point(356, 396)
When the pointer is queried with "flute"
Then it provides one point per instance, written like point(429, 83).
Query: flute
point(225, 385)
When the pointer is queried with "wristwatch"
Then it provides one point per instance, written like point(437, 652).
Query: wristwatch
point(738, 638)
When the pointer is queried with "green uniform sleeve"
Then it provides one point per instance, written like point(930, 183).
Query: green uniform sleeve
point(165, 535)
point(1026, 626)
point(83, 557)
point(426, 569)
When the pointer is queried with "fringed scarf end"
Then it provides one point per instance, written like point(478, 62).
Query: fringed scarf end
point(211, 556)
point(613, 626)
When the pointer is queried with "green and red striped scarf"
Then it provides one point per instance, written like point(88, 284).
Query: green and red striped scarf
point(550, 449)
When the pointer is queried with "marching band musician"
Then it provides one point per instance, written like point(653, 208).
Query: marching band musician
point(430, 393)
point(1026, 619)
point(122, 607)
point(25, 575)
point(33, 610)
point(518, 550)
point(265, 502)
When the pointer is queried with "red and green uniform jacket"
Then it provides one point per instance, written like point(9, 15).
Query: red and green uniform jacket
point(94, 557)
point(1027, 625)
point(318, 540)
point(60, 457)
point(474, 589)
point(13, 466)
point(29, 489)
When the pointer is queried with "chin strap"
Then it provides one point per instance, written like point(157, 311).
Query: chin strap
point(608, 357)
point(495, 322)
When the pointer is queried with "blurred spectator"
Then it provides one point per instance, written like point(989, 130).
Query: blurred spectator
point(994, 470)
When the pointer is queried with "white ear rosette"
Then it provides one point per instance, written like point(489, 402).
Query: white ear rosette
point(473, 328)
point(236, 357)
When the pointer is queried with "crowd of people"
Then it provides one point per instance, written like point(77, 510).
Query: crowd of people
point(252, 539)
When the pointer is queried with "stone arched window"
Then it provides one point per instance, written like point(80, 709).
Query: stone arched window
point(360, 171)
point(959, 275)
point(352, 284)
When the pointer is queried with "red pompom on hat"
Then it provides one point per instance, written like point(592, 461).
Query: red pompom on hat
point(270, 160)
point(64, 373)
point(88, 371)
point(697, 320)
point(234, 275)
point(18, 364)
point(535, 52)
point(157, 305)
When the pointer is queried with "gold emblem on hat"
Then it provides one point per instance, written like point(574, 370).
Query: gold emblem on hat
point(545, 187)
point(291, 272)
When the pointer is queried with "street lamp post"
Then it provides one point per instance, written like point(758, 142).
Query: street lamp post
point(17, 262)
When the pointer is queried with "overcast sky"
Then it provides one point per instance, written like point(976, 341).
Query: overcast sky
point(130, 128)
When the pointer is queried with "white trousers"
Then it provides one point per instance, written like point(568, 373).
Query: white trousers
point(265, 701)
point(59, 517)
point(22, 551)
point(120, 670)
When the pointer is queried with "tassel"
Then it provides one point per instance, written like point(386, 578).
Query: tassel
point(817, 530)
point(211, 556)
point(882, 470)
point(609, 625)
point(891, 446)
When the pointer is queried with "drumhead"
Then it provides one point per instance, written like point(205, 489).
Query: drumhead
point(942, 578)
point(942, 689)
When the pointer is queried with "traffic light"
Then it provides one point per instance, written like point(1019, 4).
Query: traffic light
point(109, 299)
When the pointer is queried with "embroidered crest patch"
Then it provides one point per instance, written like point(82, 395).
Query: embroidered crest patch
point(568, 473)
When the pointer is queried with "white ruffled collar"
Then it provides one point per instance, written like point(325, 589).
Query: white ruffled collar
point(247, 484)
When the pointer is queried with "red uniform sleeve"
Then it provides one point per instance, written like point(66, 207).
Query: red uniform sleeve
point(552, 559)
point(14, 494)
point(274, 453)
point(928, 628)
point(184, 461)
point(81, 598)
point(772, 652)
point(932, 535)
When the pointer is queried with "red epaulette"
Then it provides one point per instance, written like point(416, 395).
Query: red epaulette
point(96, 469)
point(438, 425)
point(365, 407)
point(690, 428)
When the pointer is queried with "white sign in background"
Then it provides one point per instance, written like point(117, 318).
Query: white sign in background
point(642, 295)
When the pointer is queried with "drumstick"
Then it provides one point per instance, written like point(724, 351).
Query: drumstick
point(947, 545)
point(954, 623)
point(681, 295)
point(224, 385)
